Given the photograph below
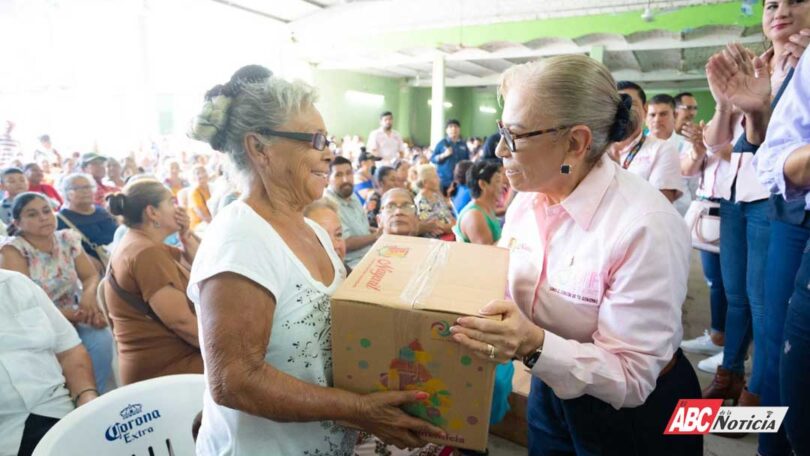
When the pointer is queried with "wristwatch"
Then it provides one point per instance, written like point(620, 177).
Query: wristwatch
point(531, 359)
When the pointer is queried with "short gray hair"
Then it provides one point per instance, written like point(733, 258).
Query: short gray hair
point(387, 195)
point(252, 100)
point(575, 90)
point(323, 203)
point(66, 184)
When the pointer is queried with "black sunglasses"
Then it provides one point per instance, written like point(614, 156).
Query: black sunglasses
point(510, 137)
point(317, 140)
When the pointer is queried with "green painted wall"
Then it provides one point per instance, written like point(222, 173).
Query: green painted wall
point(462, 110)
point(569, 27)
point(343, 116)
point(706, 104)
point(409, 104)
point(483, 123)
point(411, 109)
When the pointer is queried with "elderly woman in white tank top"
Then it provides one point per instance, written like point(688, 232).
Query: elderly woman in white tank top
point(261, 284)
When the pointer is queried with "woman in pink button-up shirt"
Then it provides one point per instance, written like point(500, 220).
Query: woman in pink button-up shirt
point(598, 270)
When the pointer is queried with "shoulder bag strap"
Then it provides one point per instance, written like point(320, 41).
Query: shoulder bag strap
point(135, 301)
point(102, 254)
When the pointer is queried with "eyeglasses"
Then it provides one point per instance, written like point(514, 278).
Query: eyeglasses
point(510, 137)
point(406, 208)
point(82, 188)
point(317, 140)
point(688, 108)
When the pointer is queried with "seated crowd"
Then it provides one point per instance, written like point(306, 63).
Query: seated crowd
point(98, 255)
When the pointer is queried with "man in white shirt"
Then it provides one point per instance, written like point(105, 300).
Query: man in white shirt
point(386, 143)
point(661, 118)
point(653, 159)
point(662, 123)
point(45, 371)
point(686, 110)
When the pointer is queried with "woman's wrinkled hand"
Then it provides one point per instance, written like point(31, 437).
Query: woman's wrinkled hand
point(512, 336)
point(380, 414)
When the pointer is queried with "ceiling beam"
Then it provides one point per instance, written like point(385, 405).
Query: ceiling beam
point(251, 10)
point(652, 78)
point(522, 53)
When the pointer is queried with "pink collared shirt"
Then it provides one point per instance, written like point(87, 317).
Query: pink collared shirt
point(657, 162)
point(604, 273)
point(388, 145)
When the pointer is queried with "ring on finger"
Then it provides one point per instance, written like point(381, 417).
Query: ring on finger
point(491, 350)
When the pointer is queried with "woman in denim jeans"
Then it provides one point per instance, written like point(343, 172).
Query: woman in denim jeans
point(782, 164)
point(744, 210)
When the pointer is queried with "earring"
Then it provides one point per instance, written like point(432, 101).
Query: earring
point(156, 224)
point(565, 169)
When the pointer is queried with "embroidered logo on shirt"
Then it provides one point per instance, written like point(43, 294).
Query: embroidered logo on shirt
point(576, 282)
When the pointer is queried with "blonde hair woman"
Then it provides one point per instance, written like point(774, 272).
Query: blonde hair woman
point(598, 269)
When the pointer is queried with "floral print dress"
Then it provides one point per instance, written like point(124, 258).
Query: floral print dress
point(55, 272)
point(433, 208)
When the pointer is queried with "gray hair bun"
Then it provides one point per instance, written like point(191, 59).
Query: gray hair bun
point(212, 121)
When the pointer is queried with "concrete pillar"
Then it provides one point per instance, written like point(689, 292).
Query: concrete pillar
point(598, 53)
point(437, 101)
point(402, 121)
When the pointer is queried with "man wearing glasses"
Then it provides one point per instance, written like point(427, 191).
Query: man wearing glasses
point(692, 150)
point(95, 165)
point(686, 109)
point(398, 213)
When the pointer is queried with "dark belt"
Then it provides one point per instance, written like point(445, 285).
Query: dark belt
point(670, 364)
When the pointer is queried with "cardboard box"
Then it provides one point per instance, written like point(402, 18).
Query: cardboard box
point(390, 329)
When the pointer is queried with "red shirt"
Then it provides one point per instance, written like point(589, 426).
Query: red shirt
point(48, 191)
point(102, 191)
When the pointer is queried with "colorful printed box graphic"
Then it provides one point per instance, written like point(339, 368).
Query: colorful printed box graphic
point(391, 330)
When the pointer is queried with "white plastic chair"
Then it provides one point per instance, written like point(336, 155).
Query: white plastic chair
point(148, 418)
point(101, 301)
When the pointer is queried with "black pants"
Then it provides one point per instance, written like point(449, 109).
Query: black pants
point(36, 426)
point(589, 426)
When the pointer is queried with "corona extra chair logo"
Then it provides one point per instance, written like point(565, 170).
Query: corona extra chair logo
point(134, 424)
point(392, 251)
point(440, 329)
